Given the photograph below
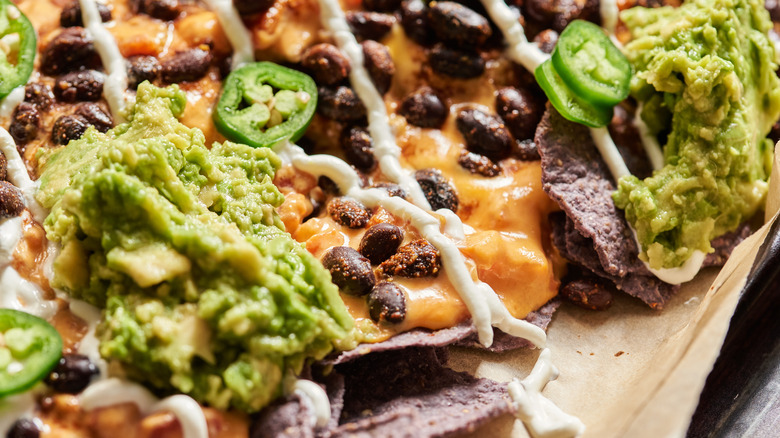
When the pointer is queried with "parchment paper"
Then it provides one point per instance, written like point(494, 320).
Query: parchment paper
point(632, 371)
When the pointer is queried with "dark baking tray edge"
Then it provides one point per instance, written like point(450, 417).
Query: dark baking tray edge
point(741, 396)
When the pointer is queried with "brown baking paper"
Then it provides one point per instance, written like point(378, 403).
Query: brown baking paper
point(632, 371)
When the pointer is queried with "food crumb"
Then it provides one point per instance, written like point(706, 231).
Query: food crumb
point(620, 353)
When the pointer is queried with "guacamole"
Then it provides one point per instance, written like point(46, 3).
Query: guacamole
point(705, 73)
point(204, 293)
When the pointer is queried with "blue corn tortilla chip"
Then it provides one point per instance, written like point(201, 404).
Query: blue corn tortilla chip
point(591, 231)
point(398, 393)
point(463, 334)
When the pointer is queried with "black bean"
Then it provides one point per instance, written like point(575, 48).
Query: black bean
point(589, 293)
point(96, 115)
point(24, 428)
point(84, 85)
point(328, 186)
point(380, 242)
point(67, 128)
point(381, 5)
point(414, 260)
point(340, 103)
point(379, 64)
point(485, 134)
point(162, 9)
point(525, 150)
point(414, 20)
point(387, 302)
point(72, 49)
point(546, 40)
point(249, 7)
point(458, 25)
point(72, 374)
point(437, 190)
point(479, 164)
point(348, 212)
point(559, 13)
point(140, 69)
point(424, 108)
point(520, 110)
point(370, 25)
point(326, 63)
point(3, 167)
point(358, 148)
point(456, 63)
point(349, 270)
point(186, 66)
point(25, 123)
point(71, 14)
point(392, 189)
point(11, 204)
point(39, 95)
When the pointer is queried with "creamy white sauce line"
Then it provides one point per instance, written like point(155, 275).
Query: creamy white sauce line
point(10, 102)
point(113, 61)
point(482, 302)
point(609, 16)
point(649, 141)
point(236, 32)
point(519, 49)
point(114, 391)
point(540, 415)
point(385, 147)
point(317, 399)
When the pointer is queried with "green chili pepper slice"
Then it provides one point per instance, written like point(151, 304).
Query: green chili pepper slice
point(17, 48)
point(571, 106)
point(29, 348)
point(264, 103)
point(591, 65)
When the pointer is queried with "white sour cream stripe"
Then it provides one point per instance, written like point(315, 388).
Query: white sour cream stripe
point(609, 152)
point(385, 148)
point(114, 391)
point(649, 141)
point(236, 32)
point(10, 102)
point(540, 415)
point(18, 176)
point(317, 398)
point(519, 49)
point(609, 15)
point(482, 302)
point(113, 61)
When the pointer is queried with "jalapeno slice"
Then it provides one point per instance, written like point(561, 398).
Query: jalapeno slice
point(17, 48)
point(569, 104)
point(591, 65)
point(264, 103)
point(29, 348)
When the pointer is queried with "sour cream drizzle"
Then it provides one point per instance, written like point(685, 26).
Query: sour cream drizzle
point(482, 302)
point(520, 50)
point(317, 398)
point(236, 32)
point(385, 148)
point(113, 61)
point(14, 98)
point(115, 391)
point(609, 16)
point(542, 417)
point(649, 141)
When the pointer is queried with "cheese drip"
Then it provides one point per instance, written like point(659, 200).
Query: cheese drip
point(485, 307)
point(113, 61)
point(385, 147)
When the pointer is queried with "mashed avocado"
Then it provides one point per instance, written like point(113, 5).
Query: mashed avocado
point(705, 73)
point(203, 291)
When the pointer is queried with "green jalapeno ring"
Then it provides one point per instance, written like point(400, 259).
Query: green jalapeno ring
point(29, 349)
point(566, 102)
point(12, 76)
point(591, 65)
point(241, 113)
